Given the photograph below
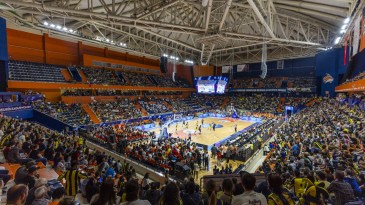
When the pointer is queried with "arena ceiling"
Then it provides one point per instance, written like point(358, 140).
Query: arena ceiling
point(216, 32)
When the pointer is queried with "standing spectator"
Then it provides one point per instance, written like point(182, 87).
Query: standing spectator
point(343, 190)
point(73, 177)
point(171, 195)
point(196, 170)
point(249, 196)
point(17, 194)
point(206, 160)
point(228, 154)
point(214, 151)
point(131, 189)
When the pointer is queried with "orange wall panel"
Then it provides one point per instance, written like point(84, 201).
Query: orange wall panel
point(23, 39)
point(61, 46)
point(90, 50)
point(203, 71)
point(61, 58)
point(52, 96)
point(88, 59)
point(25, 54)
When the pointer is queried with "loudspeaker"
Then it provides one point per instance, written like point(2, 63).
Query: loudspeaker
point(163, 64)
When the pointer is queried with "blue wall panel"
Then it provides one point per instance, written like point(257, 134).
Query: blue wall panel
point(330, 62)
point(3, 41)
point(292, 67)
point(20, 114)
point(3, 56)
point(50, 122)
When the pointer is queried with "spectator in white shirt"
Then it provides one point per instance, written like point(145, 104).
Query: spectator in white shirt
point(249, 196)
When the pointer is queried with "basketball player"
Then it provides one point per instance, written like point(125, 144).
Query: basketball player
point(200, 129)
point(213, 127)
point(235, 128)
point(176, 127)
point(202, 121)
point(187, 125)
point(210, 126)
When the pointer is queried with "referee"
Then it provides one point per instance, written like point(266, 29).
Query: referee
point(73, 177)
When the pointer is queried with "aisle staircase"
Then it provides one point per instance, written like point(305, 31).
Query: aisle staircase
point(281, 103)
point(144, 112)
point(66, 74)
point(121, 77)
point(167, 105)
point(75, 74)
point(312, 102)
point(83, 76)
point(224, 103)
point(152, 79)
point(91, 113)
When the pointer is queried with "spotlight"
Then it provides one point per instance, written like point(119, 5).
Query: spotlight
point(45, 23)
point(343, 31)
point(64, 28)
point(337, 40)
point(71, 31)
point(343, 27)
point(347, 20)
point(107, 40)
point(52, 25)
point(58, 27)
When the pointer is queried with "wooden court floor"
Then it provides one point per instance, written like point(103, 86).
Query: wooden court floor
point(207, 136)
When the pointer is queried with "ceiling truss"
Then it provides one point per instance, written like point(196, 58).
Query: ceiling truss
point(224, 32)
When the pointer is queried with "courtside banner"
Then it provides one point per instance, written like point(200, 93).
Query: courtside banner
point(258, 90)
point(8, 109)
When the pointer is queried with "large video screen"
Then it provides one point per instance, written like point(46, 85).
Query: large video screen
point(211, 84)
point(221, 86)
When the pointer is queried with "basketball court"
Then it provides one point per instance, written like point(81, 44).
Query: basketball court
point(225, 127)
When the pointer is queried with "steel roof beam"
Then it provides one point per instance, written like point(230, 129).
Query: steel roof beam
point(98, 15)
point(261, 18)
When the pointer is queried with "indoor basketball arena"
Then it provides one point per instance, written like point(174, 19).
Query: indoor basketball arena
point(182, 102)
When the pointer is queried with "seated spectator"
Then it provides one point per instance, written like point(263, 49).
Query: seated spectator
point(153, 195)
point(36, 155)
point(57, 195)
point(249, 195)
point(211, 197)
point(278, 195)
point(41, 182)
point(40, 195)
point(14, 156)
point(227, 186)
point(30, 179)
point(22, 172)
point(106, 194)
point(342, 190)
point(171, 195)
point(132, 189)
point(17, 194)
